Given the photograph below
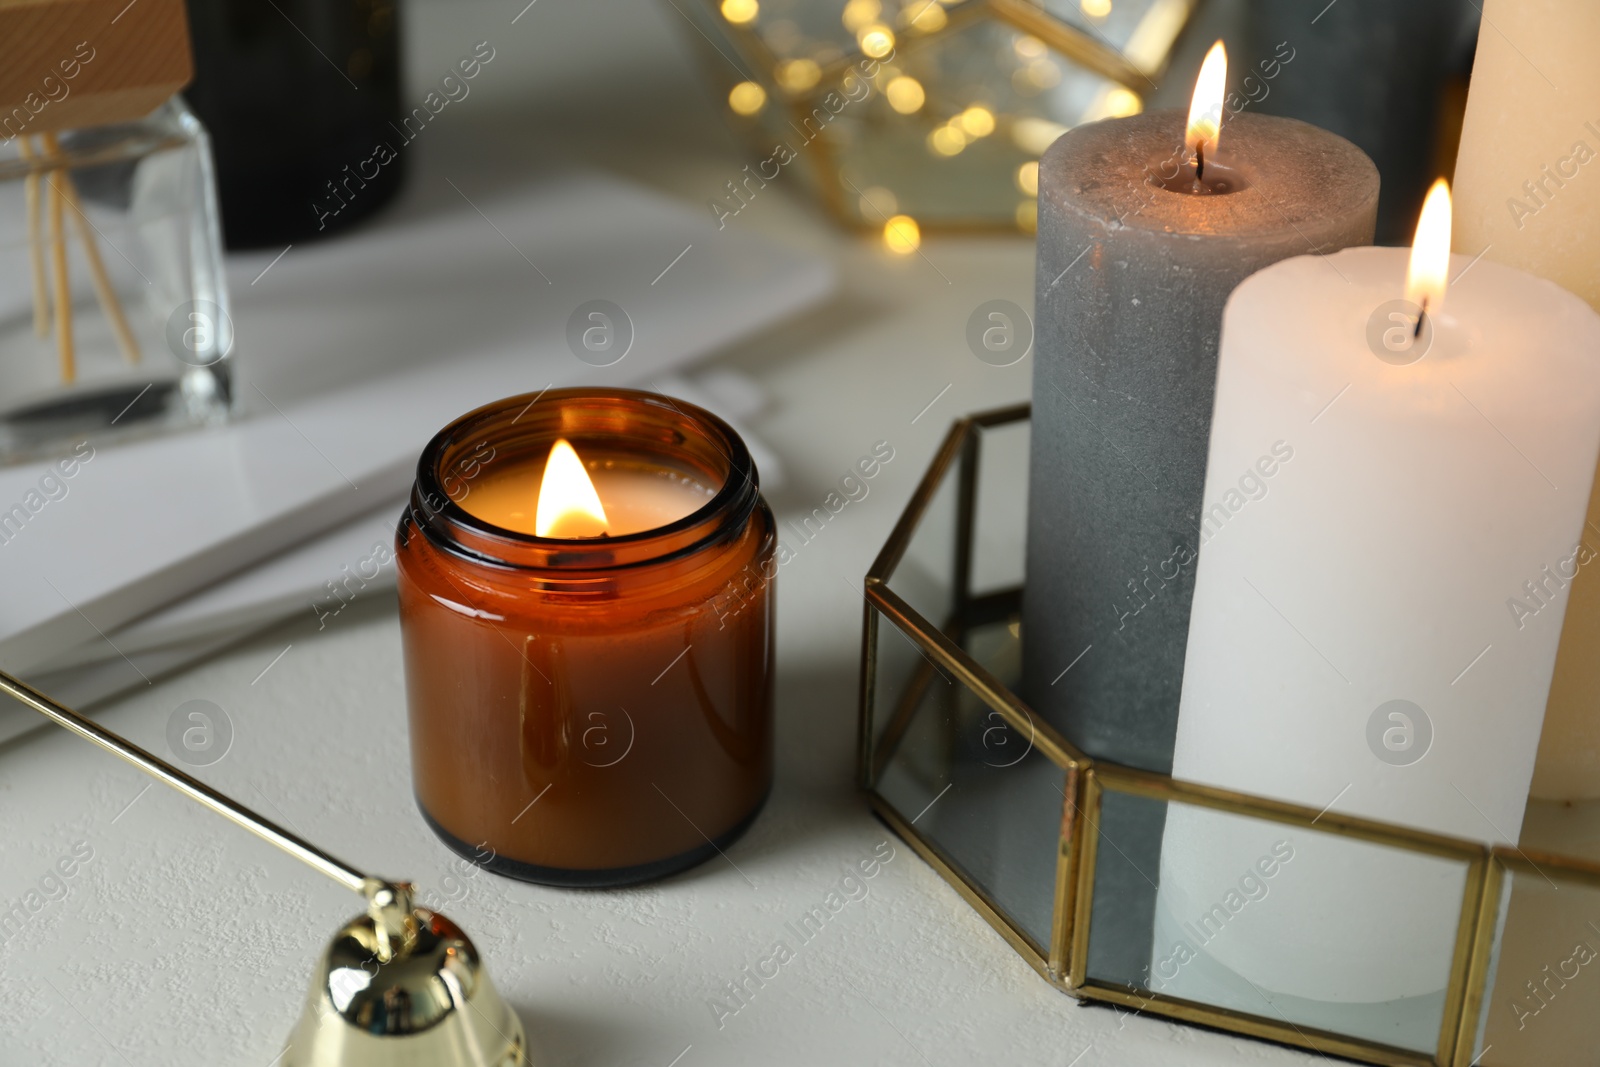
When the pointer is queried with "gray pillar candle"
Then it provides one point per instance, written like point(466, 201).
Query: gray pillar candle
point(1133, 272)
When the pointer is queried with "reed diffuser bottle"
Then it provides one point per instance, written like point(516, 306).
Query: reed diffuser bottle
point(113, 307)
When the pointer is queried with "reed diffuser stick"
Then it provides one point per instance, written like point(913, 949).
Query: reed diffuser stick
point(91, 251)
point(63, 295)
point(41, 293)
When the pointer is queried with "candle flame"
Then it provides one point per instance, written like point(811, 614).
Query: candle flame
point(568, 504)
point(1205, 107)
point(1430, 252)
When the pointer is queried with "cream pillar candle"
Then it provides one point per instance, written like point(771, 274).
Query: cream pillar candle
point(1350, 647)
point(1528, 194)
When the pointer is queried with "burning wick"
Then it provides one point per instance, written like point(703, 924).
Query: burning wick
point(1429, 268)
point(1205, 107)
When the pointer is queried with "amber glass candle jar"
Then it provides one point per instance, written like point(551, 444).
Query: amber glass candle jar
point(588, 711)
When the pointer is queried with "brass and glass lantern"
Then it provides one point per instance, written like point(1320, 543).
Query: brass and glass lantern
point(1010, 814)
point(933, 113)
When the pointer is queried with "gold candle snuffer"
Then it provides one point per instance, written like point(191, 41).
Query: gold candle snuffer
point(399, 986)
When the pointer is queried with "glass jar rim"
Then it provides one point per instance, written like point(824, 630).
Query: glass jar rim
point(454, 528)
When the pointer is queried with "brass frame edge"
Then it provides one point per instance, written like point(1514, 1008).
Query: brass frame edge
point(1463, 957)
point(966, 517)
point(1119, 779)
point(1087, 848)
point(978, 680)
point(1083, 49)
point(899, 539)
point(1259, 1026)
point(1481, 953)
point(868, 696)
point(1536, 861)
point(1067, 866)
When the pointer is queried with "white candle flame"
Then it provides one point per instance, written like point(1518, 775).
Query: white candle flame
point(1429, 269)
point(1205, 107)
point(568, 504)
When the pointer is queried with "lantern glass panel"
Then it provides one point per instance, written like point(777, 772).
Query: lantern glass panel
point(976, 788)
point(1544, 977)
point(1301, 926)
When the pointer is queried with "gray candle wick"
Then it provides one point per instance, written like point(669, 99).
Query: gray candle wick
point(1422, 315)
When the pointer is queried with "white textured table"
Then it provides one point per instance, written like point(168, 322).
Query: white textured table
point(183, 940)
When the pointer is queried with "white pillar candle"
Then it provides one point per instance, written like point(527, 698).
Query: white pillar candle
point(1371, 527)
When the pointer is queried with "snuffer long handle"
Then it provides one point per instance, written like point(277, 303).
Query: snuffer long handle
point(196, 790)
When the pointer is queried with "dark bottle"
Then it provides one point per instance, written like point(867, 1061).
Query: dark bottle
point(1385, 76)
point(294, 92)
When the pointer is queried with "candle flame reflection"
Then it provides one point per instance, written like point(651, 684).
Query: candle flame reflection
point(1205, 107)
point(1430, 252)
point(568, 504)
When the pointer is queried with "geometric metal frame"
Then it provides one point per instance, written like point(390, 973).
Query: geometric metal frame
point(1085, 49)
point(1063, 962)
